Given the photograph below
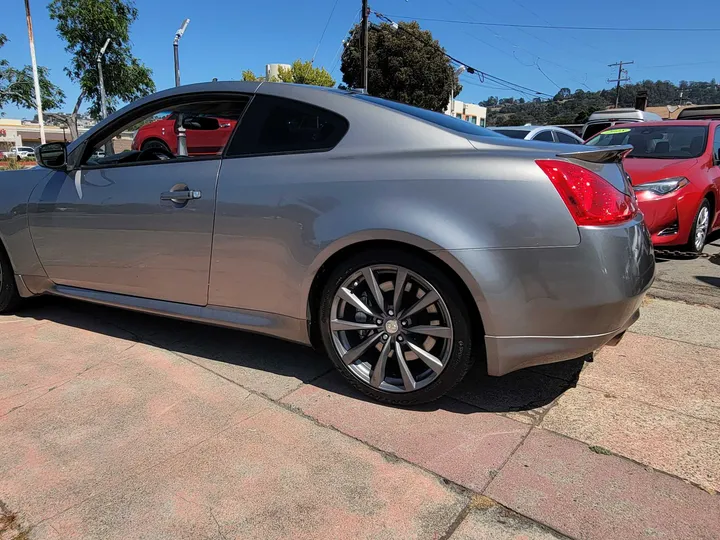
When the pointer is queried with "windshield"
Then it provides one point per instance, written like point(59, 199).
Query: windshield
point(657, 142)
point(442, 120)
point(513, 133)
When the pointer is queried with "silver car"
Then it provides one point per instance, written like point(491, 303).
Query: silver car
point(403, 242)
point(539, 133)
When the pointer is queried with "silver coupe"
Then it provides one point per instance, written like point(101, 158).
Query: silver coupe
point(405, 243)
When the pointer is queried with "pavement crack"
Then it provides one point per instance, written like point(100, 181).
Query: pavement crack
point(510, 456)
point(210, 510)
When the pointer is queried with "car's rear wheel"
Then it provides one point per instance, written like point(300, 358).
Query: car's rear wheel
point(396, 327)
point(9, 296)
point(154, 143)
point(700, 228)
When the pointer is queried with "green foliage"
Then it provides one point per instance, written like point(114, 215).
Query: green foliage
point(248, 75)
point(305, 73)
point(17, 87)
point(576, 107)
point(85, 25)
point(405, 64)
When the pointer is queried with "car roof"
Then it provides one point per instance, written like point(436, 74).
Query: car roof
point(668, 123)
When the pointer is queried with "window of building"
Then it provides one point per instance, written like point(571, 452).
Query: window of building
point(458, 115)
point(275, 125)
point(472, 119)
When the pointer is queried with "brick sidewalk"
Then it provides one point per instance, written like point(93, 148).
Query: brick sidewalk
point(117, 425)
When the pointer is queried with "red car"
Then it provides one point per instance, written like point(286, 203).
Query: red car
point(205, 135)
point(675, 171)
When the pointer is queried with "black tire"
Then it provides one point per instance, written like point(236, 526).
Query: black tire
point(9, 296)
point(461, 356)
point(154, 143)
point(690, 247)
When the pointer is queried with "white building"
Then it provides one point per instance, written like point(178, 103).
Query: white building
point(272, 71)
point(23, 133)
point(470, 112)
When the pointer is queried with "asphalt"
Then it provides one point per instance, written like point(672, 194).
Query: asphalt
point(695, 281)
point(121, 425)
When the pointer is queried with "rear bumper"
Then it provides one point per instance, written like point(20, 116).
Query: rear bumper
point(544, 305)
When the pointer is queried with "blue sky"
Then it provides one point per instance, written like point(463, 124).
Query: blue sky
point(227, 36)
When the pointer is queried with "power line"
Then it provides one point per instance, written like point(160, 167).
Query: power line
point(472, 70)
point(551, 27)
point(338, 56)
point(324, 30)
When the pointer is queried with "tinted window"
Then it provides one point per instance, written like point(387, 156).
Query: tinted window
point(439, 119)
point(275, 125)
point(544, 136)
point(658, 142)
point(716, 146)
point(565, 138)
point(513, 133)
point(594, 129)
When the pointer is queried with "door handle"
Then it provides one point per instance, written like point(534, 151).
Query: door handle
point(180, 196)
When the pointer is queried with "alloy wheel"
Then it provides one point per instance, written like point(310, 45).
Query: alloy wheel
point(701, 227)
point(391, 328)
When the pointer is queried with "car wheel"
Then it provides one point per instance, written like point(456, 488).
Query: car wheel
point(700, 228)
point(9, 296)
point(154, 144)
point(396, 327)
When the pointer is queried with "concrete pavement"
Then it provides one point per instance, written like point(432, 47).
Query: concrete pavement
point(119, 425)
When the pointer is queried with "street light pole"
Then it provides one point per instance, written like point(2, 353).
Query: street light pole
point(176, 41)
point(181, 137)
point(36, 79)
point(364, 50)
point(459, 71)
point(103, 99)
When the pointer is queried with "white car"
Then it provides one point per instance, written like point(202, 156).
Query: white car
point(539, 133)
point(21, 152)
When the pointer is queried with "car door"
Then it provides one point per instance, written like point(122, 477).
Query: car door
point(133, 223)
point(715, 172)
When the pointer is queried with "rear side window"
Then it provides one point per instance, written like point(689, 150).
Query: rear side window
point(544, 136)
point(565, 138)
point(716, 145)
point(593, 129)
point(275, 125)
point(513, 133)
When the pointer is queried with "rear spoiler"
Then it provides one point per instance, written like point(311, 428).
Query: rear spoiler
point(600, 154)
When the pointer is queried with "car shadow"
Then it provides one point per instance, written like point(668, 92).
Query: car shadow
point(709, 280)
point(218, 349)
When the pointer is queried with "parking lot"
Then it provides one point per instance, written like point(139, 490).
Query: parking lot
point(121, 425)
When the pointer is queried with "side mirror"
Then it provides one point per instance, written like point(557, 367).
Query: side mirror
point(52, 155)
point(203, 123)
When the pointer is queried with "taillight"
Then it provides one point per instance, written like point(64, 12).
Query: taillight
point(591, 199)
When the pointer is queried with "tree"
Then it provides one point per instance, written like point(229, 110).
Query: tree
point(563, 93)
point(405, 64)
point(304, 73)
point(85, 25)
point(248, 75)
point(17, 86)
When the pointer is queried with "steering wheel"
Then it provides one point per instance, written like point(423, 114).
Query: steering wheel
point(155, 153)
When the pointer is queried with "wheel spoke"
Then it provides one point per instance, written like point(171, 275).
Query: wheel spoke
point(350, 298)
point(339, 325)
point(378, 373)
point(374, 287)
point(431, 361)
point(430, 298)
point(399, 288)
point(357, 351)
point(408, 379)
point(436, 331)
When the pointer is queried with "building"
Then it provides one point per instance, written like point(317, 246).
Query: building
point(470, 112)
point(24, 133)
point(272, 71)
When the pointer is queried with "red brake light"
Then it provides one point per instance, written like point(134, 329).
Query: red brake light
point(591, 199)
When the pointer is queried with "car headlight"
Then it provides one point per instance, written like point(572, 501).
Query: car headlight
point(663, 187)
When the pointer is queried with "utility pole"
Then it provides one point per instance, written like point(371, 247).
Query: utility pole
point(364, 41)
point(103, 98)
point(36, 79)
point(181, 135)
point(620, 78)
